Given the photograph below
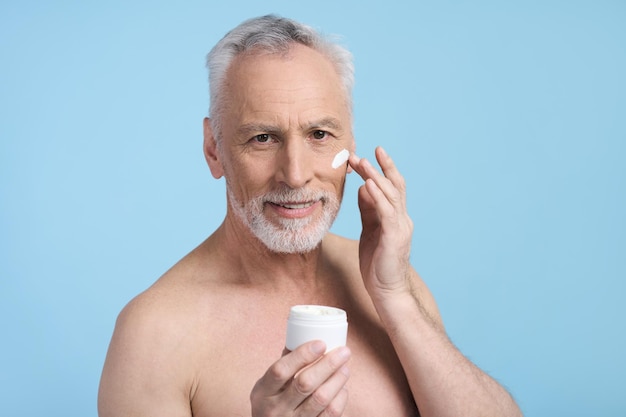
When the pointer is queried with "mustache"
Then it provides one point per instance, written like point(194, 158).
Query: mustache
point(290, 195)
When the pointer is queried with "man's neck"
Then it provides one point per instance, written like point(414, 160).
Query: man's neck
point(256, 264)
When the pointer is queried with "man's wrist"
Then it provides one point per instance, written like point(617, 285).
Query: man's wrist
point(402, 310)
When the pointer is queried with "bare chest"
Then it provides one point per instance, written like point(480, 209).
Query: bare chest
point(245, 350)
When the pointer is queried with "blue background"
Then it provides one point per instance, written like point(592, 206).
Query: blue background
point(507, 119)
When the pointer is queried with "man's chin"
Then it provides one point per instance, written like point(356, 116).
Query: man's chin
point(294, 239)
point(286, 248)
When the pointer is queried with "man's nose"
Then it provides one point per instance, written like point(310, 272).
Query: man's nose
point(295, 163)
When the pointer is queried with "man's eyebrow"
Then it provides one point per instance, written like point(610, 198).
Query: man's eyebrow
point(258, 127)
point(327, 122)
point(248, 128)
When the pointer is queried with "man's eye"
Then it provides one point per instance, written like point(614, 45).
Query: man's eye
point(262, 138)
point(320, 134)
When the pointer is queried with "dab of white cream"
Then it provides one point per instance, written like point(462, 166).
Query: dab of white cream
point(341, 157)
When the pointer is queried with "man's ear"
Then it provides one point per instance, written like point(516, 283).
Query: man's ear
point(210, 151)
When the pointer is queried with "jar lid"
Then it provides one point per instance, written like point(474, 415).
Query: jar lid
point(317, 313)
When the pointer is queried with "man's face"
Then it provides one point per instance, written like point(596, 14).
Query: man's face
point(285, 119)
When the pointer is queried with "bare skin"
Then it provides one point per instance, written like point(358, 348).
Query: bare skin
point(207, 339)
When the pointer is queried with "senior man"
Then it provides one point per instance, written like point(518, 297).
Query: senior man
point(207, 339)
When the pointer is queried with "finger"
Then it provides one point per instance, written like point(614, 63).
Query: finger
point(338, 405)
point(390, 182)
point(381, 191)
point(353, 162)
point(389, 169)
point(379, 198)
point(330, 398)
point(284, 369)
point(367, 207)
point(365, 169)
point(391, 172)
point(369, 201)
point(329, 369)
point(384, 205)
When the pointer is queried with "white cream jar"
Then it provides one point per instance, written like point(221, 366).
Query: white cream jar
point(313, 322)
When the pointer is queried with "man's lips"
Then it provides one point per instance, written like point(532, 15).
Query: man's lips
point(294, 209)
point(294, 206)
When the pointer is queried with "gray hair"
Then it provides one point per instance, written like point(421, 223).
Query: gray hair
point(274, 35)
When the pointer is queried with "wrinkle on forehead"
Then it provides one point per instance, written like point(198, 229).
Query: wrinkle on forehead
point(300, 90)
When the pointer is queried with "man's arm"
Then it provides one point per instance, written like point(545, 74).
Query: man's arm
point(142, 375)
point(442, 380)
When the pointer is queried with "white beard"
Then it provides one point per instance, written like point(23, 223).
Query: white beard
point(290, 235)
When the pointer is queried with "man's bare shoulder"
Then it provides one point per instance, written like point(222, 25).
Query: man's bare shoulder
point(175, 298)
point(164, 313)
point(150, 365)
point(161, 336)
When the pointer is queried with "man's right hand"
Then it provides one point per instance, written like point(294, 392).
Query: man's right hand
point(305, 382)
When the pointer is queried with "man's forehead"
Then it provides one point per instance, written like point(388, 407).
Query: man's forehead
point(272, 92)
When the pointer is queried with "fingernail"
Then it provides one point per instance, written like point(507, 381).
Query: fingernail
point(318, 347)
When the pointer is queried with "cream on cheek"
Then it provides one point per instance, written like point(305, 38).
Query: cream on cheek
point(340, 158)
